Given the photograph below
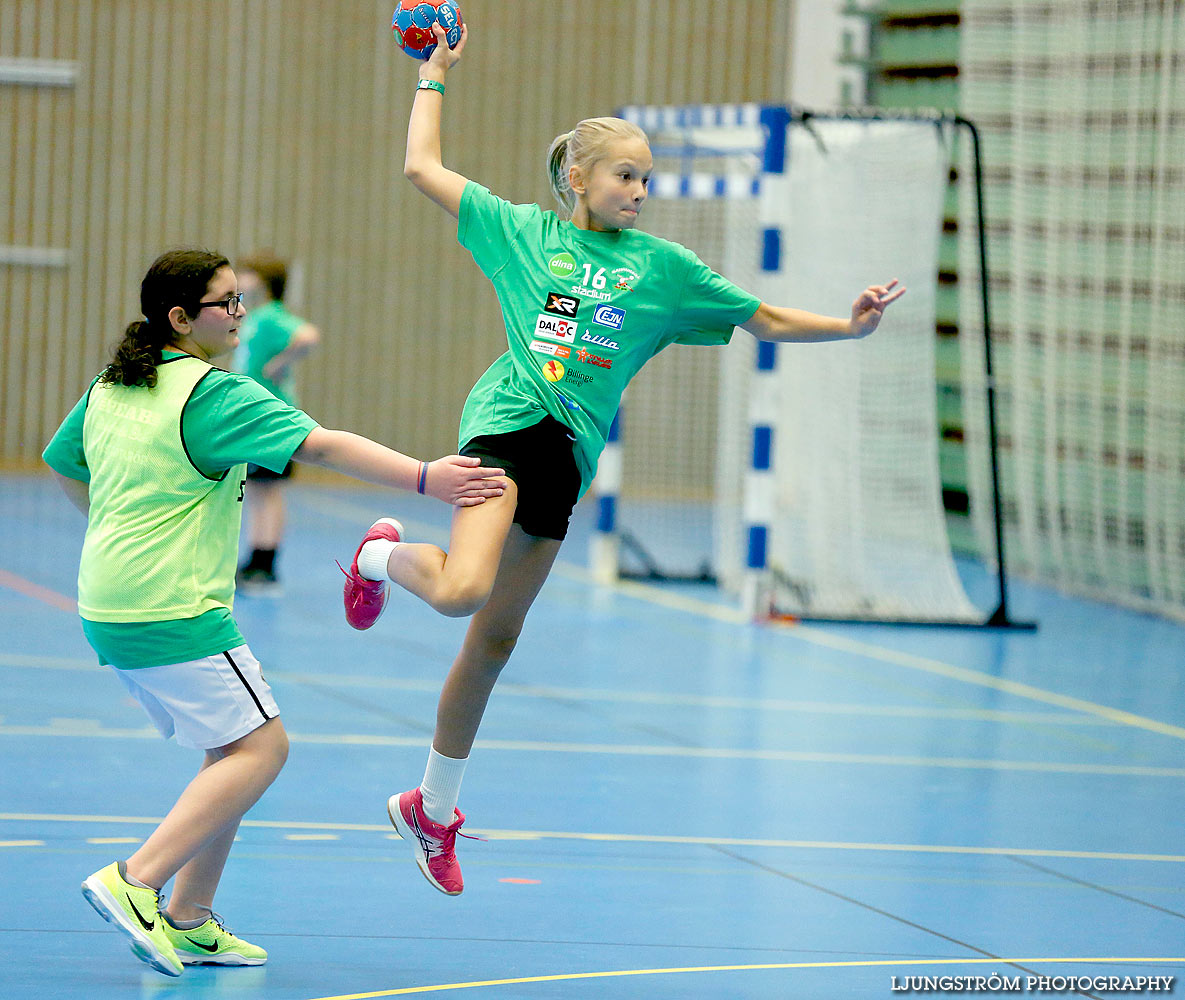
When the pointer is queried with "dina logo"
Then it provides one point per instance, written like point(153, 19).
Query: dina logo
point(562, 265)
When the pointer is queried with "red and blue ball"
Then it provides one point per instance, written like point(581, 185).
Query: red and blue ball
point(412, 25)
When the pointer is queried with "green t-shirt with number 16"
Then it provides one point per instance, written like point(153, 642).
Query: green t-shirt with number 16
point(584, 311)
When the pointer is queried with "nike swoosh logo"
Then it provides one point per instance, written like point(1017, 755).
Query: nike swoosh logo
point(205, 947)
point(148, 925)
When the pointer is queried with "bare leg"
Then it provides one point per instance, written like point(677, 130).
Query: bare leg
point(265, 501)
point(197, 881)
point(460, 581)
point(491, 638)
point(230, 782)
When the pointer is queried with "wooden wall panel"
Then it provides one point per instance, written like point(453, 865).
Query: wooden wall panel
point(239, 124)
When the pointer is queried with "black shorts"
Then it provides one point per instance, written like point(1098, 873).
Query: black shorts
point(259, 473)
point(542, 464)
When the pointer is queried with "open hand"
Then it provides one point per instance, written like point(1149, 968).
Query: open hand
point(462, 480)
point(870, 306)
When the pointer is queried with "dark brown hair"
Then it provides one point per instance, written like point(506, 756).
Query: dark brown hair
point(176, 278)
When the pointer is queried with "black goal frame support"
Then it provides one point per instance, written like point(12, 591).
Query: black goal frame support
point(999, 617)
point(774, 116)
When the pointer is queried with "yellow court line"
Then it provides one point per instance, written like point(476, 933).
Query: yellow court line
point(818, 637)
point(22, 843)
point(879, 963)
point(640, 838)
point(968, 676)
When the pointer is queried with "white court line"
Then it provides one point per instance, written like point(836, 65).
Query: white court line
point(810, 634)
point(550, 692)
point(633, 838)
point(652, 750)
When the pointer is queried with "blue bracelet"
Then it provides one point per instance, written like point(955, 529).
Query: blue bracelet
point(423, 477)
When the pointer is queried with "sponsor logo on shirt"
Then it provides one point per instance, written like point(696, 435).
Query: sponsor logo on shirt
point(626, 279)
point(562, 265)
point(575, 377)
point(553, 371)
point(609, 316)
point(591, 359)
point(555, 350)
point(603, 342)
point(592, 293)
point(561, 305)
point(555, 328)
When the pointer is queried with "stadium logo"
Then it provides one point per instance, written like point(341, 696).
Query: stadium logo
point(555, 350)
point(553, 371)
point(554, 328)
point(609, 316)
point(561, 305)
point(562, 265)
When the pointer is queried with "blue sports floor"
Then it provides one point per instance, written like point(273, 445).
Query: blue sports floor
point(677, 804)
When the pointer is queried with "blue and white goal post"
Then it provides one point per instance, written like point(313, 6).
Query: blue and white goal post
point(801, 477)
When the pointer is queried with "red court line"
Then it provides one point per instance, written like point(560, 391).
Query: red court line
point(37, 592)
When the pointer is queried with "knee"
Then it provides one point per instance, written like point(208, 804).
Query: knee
point(463, 599)
point(273, 748)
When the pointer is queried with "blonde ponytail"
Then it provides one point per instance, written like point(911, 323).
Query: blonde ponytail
point(557, 172)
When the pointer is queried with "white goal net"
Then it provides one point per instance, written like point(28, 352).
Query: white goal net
point(851, 506)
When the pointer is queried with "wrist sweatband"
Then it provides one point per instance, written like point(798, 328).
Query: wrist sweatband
point(430, 85)
point(423, 477)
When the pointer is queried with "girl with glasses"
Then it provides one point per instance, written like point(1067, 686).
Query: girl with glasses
point(154, 454)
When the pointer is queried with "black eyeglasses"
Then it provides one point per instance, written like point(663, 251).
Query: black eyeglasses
point(231, 305)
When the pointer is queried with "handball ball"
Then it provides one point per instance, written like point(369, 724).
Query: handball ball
point(413, 22)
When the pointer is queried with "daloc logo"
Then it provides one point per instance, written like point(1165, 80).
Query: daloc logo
point(609, 316)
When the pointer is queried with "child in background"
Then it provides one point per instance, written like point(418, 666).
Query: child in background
point(272, 341)
point(543, 409)
point(154, 455)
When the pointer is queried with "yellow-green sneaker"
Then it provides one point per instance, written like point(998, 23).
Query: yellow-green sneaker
point(212, 943)
point(135, 912)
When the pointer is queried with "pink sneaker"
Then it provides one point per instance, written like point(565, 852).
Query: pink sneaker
point(365, 599)
point(431, 843)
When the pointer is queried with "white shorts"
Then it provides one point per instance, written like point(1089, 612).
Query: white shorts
point(205, 703)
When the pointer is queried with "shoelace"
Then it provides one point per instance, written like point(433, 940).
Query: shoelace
point(355, 577)
point(455, 829)
point(216, 917)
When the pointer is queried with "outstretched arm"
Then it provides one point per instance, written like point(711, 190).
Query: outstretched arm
point(422, 164)
point(455, 479)
point(785, 325)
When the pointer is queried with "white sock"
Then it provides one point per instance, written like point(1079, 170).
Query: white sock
point(442, 786)
point(372, 560)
